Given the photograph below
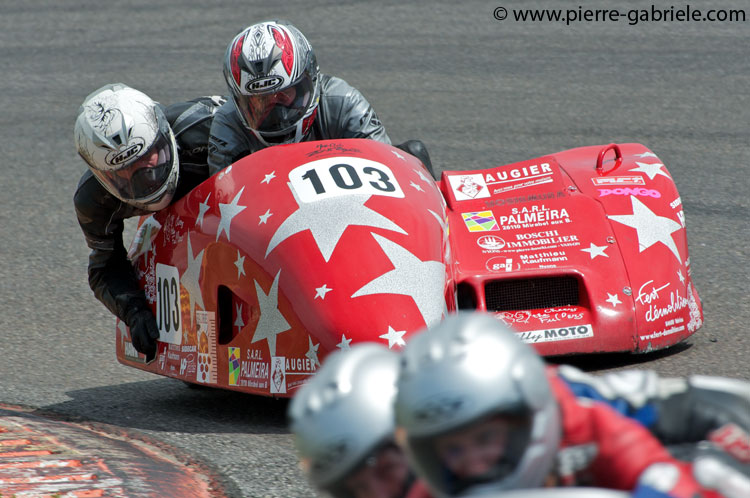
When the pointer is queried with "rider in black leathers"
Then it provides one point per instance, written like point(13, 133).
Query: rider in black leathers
point(101, 211)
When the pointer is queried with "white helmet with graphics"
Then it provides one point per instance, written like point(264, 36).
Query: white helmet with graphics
point(474, 408)
point(272, 75)
point(342, 421)
point(127, 142)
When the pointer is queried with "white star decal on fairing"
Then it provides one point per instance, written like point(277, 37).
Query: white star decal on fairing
point(423, 281)
point(417, 187)
point(328, 219)
point(650, 228)
point(238, 322)
point(270, 176)
point(439, 219)
point(421, 175)
point(145, 235)
point(229, 211)
point(240, 264)
point(264, 217)
point(394, 337)
point(202, 208)
point(320, 292)
point(680, 276)
point(613, 300)
point(646, 154)
point(397, 154)
point(271, 321)
point(651, 170)
point(344, 344)
point(595, 251)
point(190, 278)
point(312, 352)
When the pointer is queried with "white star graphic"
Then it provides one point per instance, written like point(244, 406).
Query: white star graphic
point(651, 170)
point(416, 186)
point(680, 276)
point(239, 323)
point(421, 175)
point(202, 208)
point(264, 217)
point(320, 292)
point(613, 300)
point(439, 219)
point(190, 278)
point(649, 227)
point(328, 219)
point(344, 344)
point(271, 321)
point(397, 154)
point(240, 264)
point(269, 177)
point(423, 281)
point(229, 211)
point(595, 251)
point(146, 233)
point(394, 337)
point(646, 154)
point(312, 352)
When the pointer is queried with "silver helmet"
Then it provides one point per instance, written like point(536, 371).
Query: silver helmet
point(273, 78)
point(474, 408)
point(342, 422)
point(127, 142)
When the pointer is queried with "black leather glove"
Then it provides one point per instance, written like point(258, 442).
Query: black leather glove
point(143, 331)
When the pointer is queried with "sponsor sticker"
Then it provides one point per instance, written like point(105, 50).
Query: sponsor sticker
point(233, 364)
point(207, 368)
point(538, 215)
point(518, 177)
point(602, 181)
point(467, 187)
point(278, 375)
point(556, 334)
point(501, 263)
point(490, 242)
point(480, 221)
point(638, 191)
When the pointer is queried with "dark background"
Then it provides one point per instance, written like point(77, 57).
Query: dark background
point(479, 92)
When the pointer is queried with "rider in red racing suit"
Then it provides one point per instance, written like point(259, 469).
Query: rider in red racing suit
point(478, 411)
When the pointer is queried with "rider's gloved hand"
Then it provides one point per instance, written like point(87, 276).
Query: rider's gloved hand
point(143, 331)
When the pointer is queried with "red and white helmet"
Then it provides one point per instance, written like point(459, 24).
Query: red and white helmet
point(272, 75)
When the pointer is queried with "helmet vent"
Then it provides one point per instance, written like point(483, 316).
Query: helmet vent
point(531, 293)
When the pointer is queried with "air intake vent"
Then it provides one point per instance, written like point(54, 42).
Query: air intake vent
point(531, 293)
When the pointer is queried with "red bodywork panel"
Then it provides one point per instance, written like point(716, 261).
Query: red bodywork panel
point(298, 250)
point(578, 259)
point(290, 253)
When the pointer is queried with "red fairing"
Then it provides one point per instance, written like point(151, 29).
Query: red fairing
point(600, 447)
point(577, 258)
point(289, 254)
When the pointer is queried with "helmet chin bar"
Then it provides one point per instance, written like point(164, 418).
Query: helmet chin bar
point(289, 138)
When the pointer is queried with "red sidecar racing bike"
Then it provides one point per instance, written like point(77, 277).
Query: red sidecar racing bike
point(298, 250)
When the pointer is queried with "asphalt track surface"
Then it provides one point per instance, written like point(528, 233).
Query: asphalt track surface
point(478, 91)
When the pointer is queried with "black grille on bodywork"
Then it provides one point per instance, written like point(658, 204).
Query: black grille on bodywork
point(531, 293)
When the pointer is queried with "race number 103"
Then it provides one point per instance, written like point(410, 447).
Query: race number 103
point(168, 309)
point(339, 176)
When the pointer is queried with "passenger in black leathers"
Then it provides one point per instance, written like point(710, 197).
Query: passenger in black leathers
point(279, 96)
point(101, 208)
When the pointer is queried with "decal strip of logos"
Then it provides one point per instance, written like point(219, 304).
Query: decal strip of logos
point(556, 334)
